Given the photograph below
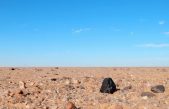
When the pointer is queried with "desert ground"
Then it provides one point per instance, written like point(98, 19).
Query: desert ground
point(54, 87)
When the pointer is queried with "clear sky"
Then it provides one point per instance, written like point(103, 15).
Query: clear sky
point(84, 33)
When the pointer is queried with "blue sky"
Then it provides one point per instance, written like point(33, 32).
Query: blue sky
point(84, 33)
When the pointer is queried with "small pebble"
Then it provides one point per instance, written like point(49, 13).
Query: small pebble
point(147, 94)
point(158, 89)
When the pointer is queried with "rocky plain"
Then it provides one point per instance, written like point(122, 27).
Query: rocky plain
point(58, 87)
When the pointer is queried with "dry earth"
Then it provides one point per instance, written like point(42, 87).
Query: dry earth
point(52, 88)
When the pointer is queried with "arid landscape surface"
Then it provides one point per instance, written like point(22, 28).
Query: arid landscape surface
point(53, 88)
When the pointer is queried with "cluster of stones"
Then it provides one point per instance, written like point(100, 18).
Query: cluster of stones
point(37, 95)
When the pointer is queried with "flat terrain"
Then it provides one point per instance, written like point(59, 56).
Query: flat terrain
point(52, 88)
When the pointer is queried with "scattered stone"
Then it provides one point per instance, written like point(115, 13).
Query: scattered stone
point(81, 87)
point(8, 93)
point(56, 74)
point(53, 79)
point(25, 90)
point(75, 81)
point(27, 106)
point(108, 86)
point(12, 68)
point(31, 83)
point(147, 94)
point(21, 85)
point(67, 82)
point(70, 105)
point(20, 92)
point(158, 89)
point(56, 67)
point(145, 97)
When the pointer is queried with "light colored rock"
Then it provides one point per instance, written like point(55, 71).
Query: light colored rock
point(67, 82)
point(75, 81)
point(70, 105)
point(21, 85)
point(31, 83)
point(145, 97)
point(28, 107)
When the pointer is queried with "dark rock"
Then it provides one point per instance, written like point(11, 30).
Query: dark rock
point(12, 68)
point(56, 74)
point(53, 79)
point(20, 92)
point(148, 94)
point(108, 86)
point(158, 89)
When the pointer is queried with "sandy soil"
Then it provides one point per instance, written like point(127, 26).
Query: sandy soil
point(52, 88)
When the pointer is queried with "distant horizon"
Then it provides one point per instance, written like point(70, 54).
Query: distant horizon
point(84, 66)
point(84, 33)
